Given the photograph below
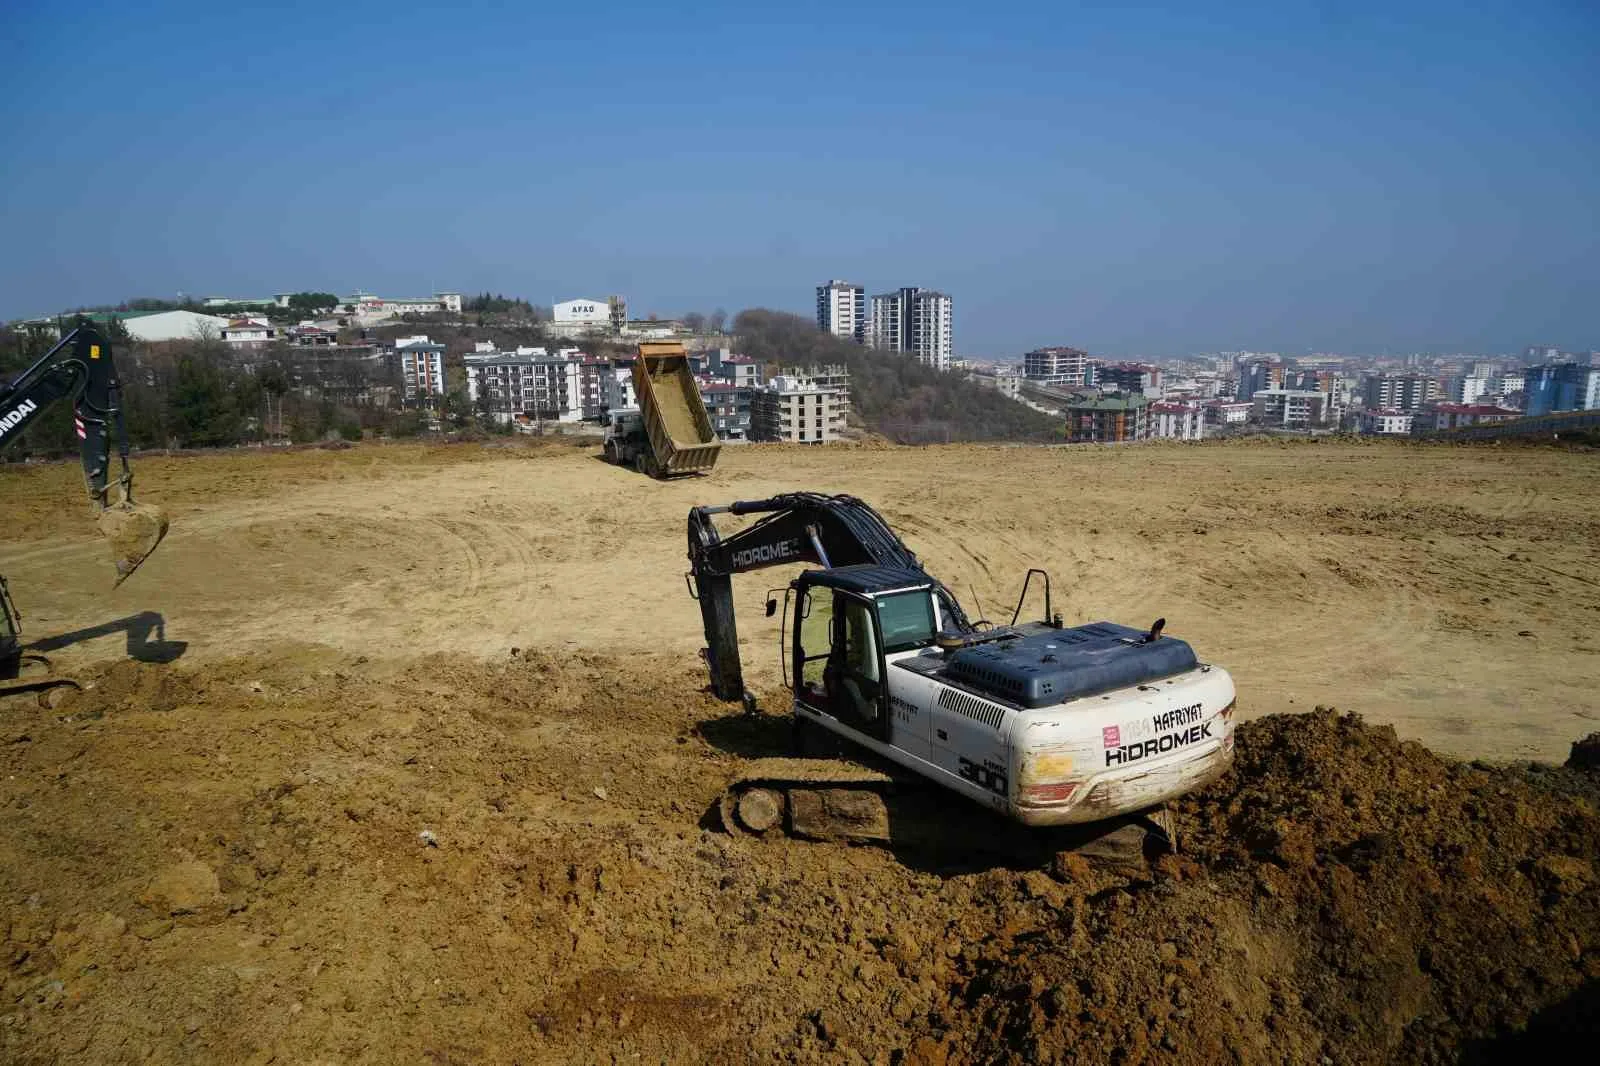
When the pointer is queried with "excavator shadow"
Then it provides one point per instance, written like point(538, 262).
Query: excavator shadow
point(752, 736)
point(146, 638)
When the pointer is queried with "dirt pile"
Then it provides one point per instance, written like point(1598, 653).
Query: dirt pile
point(1343, 897)
point(304, 856)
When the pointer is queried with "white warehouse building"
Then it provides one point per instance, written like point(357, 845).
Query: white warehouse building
point(594, 313)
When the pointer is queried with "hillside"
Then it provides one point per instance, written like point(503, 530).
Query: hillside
point(893, 394)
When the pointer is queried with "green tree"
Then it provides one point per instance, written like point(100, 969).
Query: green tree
point(203, 405)
point(893, 394)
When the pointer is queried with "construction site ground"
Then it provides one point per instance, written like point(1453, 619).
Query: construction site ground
point(412, 762)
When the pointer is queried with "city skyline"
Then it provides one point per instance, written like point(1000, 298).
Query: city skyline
point(1133, 181)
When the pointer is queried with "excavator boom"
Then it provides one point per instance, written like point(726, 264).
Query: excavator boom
point(80, 367)
point(797, 527)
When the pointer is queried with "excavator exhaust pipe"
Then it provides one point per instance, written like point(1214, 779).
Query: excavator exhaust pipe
point(133, 531)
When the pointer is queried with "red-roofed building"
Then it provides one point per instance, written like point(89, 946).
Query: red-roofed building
point(1430, 418)
point(1177, 421)
point(248, 333)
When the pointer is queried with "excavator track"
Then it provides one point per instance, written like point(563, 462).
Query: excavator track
point(843, 801)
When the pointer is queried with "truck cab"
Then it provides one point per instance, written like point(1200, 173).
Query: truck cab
point(1046, 723)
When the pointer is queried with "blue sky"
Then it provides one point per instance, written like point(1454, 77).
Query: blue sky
point(1132, 178)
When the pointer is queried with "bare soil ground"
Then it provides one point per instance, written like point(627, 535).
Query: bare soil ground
point(425, 776)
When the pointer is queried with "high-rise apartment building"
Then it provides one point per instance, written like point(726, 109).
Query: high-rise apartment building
point(842, 310)
point(914, 321)
point(1066, 367)
point(1399, 392)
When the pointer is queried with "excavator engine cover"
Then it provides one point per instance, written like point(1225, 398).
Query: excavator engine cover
point(1046, 668)
point(133, 530)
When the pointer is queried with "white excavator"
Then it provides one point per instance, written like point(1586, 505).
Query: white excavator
point(1047, 725)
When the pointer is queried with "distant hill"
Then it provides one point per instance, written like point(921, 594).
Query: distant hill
point(894, 394)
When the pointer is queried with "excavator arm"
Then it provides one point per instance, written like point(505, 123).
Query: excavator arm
point(797, 527)
point(80, 368)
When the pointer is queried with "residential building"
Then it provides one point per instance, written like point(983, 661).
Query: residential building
point(1433, 417)
point(1472, 388)
point(1560, 387)
point(248, 333)
point(310, 335)
point(592, 373)
point(916, 322)
point(617, 387)
point(1107, 419)
point(842, 310)
point(822, 377)
point(721, 363)
point(1291, 408)
point(1399, 392)
point(1129, 377)
point(787, 409)
point(1388, 423)
point(729, 407)
point(1177, 421)
point(1007, 381)
point(1223, 414)
point(1060, 367)
point(526, 385)
point(1257, 375)
point(421, 368)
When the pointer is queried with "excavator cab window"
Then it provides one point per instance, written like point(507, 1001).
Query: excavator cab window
point(813, 644)
point(906, 619)
point(838, 650)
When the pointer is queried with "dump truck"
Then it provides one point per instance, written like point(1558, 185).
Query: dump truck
point(671, 434)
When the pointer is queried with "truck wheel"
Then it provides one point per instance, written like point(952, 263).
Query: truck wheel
point(610, 452)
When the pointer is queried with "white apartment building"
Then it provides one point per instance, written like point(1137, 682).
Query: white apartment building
point(842, 310)
point(836, 378)
point(1400, 392)
point(421, 368)
point(1472, 389)
point(528, 384)
point(1006, 381)
point(1177, 421)
point(616, 388)
point(1388, 423)
point(914, 321)
point(1291, 408)
point(1059, 367)
point(796, 412)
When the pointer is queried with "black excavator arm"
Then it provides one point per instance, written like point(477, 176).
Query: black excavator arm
point(80, 368)
point(798, 527)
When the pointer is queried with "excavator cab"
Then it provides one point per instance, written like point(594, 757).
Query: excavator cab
point(847, 620)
